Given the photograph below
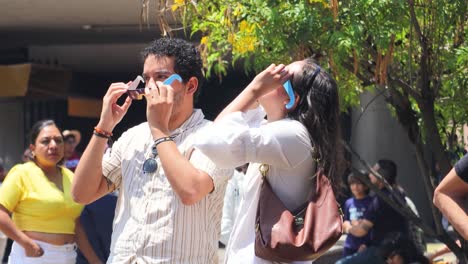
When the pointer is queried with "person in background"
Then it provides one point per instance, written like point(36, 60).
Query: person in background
point(354, 210)
point(381, 217)
point(71, 157)
point(96, 220)
point(294, 140)
point(451, 195)
point(232, 198)
point(395, 248)
point(170, 195)
point(37, 195)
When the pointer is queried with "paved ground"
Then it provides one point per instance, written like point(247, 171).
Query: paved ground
point(448, 258)
point(431, 247)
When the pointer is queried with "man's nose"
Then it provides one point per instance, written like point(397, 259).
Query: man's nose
point(151, 81)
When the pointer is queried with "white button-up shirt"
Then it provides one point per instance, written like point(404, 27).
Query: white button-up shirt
point(232, 199)
point(151, 224)
point(283, 144)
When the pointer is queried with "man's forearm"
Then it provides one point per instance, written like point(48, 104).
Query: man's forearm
point(189, 183)
point(450, 207)
point(88, 179)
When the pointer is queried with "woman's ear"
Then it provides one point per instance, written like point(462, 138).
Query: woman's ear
point(32, 148)
point(296, 102)
point(192, 85)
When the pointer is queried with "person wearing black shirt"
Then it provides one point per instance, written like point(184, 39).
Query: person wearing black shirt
point(450, 197)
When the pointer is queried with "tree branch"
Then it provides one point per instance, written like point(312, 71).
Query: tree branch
point(416, 25)
point(406, 87)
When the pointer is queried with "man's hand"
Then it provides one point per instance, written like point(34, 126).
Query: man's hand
point(159, 104)
point(112, 113)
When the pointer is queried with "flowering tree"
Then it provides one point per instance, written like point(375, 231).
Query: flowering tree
point(413, 51)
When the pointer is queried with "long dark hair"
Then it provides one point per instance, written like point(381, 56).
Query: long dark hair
point(318, 110)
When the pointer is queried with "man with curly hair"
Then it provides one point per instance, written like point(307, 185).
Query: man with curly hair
point(170, 195)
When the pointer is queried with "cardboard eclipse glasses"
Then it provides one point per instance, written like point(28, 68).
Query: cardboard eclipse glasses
point(137, 93)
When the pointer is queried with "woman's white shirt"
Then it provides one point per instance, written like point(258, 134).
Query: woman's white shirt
point(285, 145)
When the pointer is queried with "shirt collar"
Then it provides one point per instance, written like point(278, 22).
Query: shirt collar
point(194, 120)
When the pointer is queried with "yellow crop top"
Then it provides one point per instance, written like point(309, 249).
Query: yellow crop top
point(36, 203)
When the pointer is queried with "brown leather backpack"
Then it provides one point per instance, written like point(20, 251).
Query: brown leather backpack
point(305, 234)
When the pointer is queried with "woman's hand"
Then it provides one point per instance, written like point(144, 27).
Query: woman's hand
point(32, 249)
point(112, 113)
point(269, 79)
point(159, 104)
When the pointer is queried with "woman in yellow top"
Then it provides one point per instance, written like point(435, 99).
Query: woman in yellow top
point(37, 195)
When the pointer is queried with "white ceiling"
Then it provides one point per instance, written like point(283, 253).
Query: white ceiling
point(67, 14)
point(84, 35)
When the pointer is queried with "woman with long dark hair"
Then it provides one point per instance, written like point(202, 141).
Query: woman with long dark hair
point(37, 195)
point(296, 138)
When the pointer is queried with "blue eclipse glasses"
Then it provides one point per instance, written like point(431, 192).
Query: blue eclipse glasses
point(288, 87)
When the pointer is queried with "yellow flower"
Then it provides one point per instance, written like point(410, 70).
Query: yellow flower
point(237, 10)
point(245, 39)
point(244, 44)
point(204, 40)
point(177, 4)
point(245, 28)
point(231, 38)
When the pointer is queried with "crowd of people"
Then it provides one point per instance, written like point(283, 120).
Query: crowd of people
point(171, 188)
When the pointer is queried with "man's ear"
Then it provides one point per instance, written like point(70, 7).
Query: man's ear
point(192, 85)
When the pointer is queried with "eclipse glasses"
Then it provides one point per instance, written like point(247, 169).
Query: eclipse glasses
point(137, 93)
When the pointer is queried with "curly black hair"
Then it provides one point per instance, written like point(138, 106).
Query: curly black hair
point(186, 56)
